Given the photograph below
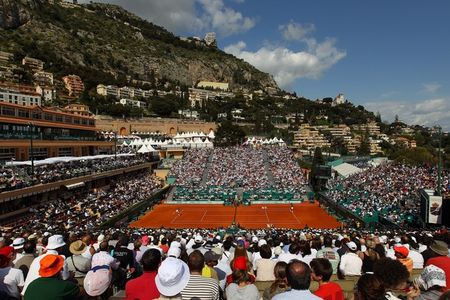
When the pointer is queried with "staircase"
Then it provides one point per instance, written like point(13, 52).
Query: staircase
point(267, 168)
point(206, 170)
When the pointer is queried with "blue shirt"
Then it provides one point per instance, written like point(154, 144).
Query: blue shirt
point(296, 294)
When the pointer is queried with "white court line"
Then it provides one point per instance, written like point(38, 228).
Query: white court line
point(177, 215)
point(201, 220)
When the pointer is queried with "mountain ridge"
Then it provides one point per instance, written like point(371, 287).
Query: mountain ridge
point(105, 40)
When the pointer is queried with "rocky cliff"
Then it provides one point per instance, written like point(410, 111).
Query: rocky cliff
point(100, 41)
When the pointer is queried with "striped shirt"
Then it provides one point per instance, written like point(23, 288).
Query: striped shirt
point(200, 288)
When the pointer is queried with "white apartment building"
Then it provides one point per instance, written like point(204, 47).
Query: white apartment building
point(199, 96)
point(47, 93)
point(213, 85)
point(133, 103)
point(20, 97)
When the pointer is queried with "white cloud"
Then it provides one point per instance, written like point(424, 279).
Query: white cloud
point(431, 87)
point(225, 20)
point(195, 16)
point(287, 65)
point(426, 112)
point(296, 32)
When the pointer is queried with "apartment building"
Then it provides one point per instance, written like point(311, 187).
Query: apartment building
point(6, 57)
point(372, 127)
point(213, 85)
point(74, 85)
point(199, 96)
point(33, 63)
point(308, 137)
point(20, 97)
point(43, 78)
point(133, 103)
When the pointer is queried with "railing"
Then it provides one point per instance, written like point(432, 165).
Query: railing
point(130, 213)
point(340, 210)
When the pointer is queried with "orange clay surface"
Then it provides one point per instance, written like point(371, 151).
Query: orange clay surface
point(253, 216)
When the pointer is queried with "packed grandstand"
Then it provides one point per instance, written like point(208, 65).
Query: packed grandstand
point(263, 174)
point(64, 243)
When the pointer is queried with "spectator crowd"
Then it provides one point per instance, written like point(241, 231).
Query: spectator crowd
point(391, 189)
point(17, 177)
point(216, 264)
point(83, 209)
point(267, 173)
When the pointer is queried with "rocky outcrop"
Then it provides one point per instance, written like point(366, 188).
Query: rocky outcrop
point(107, 39)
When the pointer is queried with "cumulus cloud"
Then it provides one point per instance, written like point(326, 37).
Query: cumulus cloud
point(426, 112)
point(431, 87)
point(287, 65)
point(188, 15)
point(223, 19)
point(295, 31)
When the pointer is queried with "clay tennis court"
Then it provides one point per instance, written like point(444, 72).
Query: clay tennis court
point(253, 216)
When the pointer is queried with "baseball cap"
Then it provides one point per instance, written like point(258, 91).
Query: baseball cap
point(352, 246)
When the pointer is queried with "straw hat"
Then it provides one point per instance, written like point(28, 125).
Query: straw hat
point(77, 247)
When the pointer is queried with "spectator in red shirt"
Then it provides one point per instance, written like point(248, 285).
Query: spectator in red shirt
point(442, 260)
point(321, 271)
point(144, 287)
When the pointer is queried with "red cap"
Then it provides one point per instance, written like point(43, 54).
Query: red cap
point(402, 250)
point(6, 251)
point(240, 263)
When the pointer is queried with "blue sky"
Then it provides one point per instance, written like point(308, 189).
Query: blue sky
point(390, 56)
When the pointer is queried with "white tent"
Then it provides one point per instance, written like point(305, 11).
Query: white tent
point(143, 149)
point(346, 169)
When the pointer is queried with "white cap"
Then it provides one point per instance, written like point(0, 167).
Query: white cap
point(100, 238)
point(18, 243)
point(262, 242)
point(174, 252)
point(254, 239)
point(352, 246)
point(198, 238)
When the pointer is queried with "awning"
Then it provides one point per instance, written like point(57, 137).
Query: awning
point(74, 185)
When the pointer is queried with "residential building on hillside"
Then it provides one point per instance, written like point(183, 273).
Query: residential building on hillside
point(24, 95)
point(78, 110)
point(307, 137)
point(199, 96)
point(5, 57)
point(210, 39)
point(43, 78)
point(372, 127)
point(375, 147)
point(339, 99)
point(74, 85)
point(48, 93)
point(33, 63)
point(133, 103)
point(189, 114)
point(213, 85)
point(404, 142)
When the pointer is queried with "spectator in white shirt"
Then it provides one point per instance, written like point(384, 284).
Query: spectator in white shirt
point(11, 279)
point(54, 246)
point(294, 249)
point(104, 258)
point(351, 263)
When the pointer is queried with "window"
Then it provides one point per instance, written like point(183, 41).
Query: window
point(65, 151)
point(8, 111)
point(37, 115)
point(76, 121)
point(24, 113)
point(7, 153)
point(48, 117)
point(59, 118)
